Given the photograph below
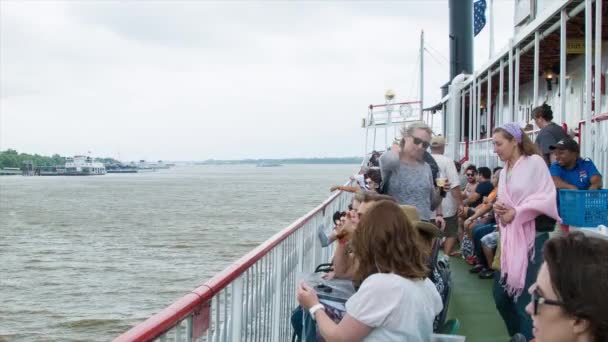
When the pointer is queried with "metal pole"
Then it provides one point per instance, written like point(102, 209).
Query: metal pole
point(588, 65)
point(511, 110)
point(421, 72)
point(479, 112)
point(489, 104)
point(562, 66)
point(536, 71)
point(516, 110)
point(473, 118)
point(471, 106)
point(463, 100)
point(237, 309)
point(501, 92)
point(598, 57)
point(491, 12)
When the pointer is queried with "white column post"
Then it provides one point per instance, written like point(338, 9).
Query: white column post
point(471, 106)
point(562, 67)
point(237, 309)
point(489, 104)
point(473, 118)
point(478, 116)
point(278, 292)
point(516, 110)
point(462, 112)
point(536, 67)
point(598, 57)
point(585, 141)
point(511, 110)
point(501, 91)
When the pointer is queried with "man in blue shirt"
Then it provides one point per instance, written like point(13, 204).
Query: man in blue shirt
point(570, 171)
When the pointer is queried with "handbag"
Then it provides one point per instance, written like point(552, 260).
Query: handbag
point(544, 224)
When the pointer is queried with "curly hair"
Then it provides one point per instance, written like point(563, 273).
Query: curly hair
point(385, 241)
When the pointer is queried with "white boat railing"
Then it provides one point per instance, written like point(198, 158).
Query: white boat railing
point(481, 152)
point(595, 145)
point(253, 298)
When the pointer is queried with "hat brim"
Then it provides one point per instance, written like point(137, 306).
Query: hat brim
point(427, 229)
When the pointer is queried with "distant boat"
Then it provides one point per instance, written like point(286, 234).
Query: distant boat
point(83, 166)
point(10, 171)
point(268, 164)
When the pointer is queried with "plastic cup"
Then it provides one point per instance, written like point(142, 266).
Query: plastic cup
point(441, 181)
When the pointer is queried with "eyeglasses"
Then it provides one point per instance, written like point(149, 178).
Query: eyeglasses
point(538, 299)
point(418, 141)
point(470, 174)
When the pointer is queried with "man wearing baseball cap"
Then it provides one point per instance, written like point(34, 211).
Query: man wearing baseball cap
point(570, 171)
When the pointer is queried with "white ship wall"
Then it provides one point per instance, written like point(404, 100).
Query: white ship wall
point(575, 92)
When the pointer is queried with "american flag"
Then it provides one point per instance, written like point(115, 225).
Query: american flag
point(479, 15)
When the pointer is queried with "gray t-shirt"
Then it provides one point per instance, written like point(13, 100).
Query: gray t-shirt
point(549, 135)
point(408, 183)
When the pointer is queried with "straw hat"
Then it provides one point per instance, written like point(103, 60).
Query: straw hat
point(426, 229)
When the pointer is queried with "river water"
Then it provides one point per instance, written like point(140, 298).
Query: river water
point(85, 258)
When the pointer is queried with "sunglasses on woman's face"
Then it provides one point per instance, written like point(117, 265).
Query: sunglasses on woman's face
point(537, 300)
point(418, 141)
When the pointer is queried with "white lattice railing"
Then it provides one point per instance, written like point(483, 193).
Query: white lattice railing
point(252, 299)
point(594, 145)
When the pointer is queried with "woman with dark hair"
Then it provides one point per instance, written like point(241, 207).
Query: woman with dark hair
point(570, 297)
point(395, 301)
point(372, 178)
point(526, 194)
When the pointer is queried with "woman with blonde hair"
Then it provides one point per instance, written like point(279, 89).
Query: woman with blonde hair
point(526, 210)
point(408, 175)
point(395, 301)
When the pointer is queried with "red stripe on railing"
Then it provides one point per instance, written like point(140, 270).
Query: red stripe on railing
point(170, 316)
point(600, 117)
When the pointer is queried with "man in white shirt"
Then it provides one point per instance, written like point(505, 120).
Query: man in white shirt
point(453, 199)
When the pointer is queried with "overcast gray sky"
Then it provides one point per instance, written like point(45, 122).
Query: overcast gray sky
point(196, 80)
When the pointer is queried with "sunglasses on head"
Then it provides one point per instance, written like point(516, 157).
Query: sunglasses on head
point(537, 299)
point(418, 141)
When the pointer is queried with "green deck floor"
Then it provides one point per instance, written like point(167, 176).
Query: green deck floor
point(473, 305)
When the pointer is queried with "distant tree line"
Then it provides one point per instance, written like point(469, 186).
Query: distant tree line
point(12, 158)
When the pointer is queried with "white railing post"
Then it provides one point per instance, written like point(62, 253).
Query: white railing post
point(536, 66)
point(276, 307)
point(516, 110)
point(511, 109)
point(236, 315)
point(588, 65)
point(501, 93)
point(598, 58)
point(562, 66)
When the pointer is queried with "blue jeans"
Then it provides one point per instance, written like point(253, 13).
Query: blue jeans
point(513, 312)
point(478, 233)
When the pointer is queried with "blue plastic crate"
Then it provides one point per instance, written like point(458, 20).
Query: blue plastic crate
point(583, 208)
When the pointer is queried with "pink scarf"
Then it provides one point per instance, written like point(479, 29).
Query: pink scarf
point(531, 191)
